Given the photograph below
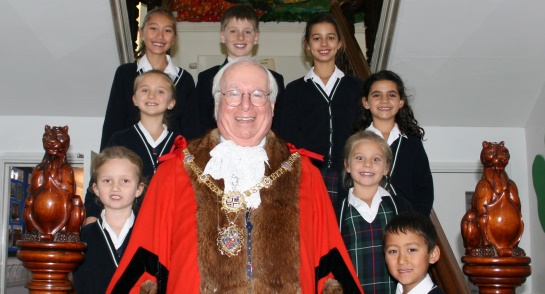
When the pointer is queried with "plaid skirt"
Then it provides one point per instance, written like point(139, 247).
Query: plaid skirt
point(331, 180)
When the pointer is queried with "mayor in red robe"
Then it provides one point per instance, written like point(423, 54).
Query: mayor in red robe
point(238, 210)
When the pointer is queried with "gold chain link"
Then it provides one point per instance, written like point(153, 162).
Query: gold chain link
point(266, 181)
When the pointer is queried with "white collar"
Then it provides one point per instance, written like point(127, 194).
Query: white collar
point(171, 70)
point(394, 133)
point(337, 74)
point(117, 240)
point(149, 139)
point(424, 287)
point(368, 213)
point(240, 167)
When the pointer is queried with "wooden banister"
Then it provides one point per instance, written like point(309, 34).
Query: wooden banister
point(446, 272)
point(357, 63)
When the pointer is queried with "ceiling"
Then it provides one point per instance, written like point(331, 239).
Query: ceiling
point(467, 63)
point(471, 63)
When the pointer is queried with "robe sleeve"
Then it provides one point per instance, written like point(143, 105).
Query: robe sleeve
point(167, 208)
point(321, 244)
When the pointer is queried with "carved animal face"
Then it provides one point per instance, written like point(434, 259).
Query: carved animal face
point(494, 155)
point(56, 140)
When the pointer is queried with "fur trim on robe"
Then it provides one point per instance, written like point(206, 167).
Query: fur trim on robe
point(275, 233)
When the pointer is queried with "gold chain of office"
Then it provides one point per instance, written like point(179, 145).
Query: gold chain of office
point(266, 182)
point(230, 237)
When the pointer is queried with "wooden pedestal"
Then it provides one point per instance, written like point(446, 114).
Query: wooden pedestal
point(50, 263)
point(500, 275)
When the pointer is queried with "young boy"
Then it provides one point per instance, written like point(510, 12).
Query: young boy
point(239, 32)
point(410, 246)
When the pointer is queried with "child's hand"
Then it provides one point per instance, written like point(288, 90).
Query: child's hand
point(89, 220)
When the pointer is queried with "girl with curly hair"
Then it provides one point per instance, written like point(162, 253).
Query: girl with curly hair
point(388, 114)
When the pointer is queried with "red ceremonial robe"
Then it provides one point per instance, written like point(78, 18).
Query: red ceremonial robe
point(296, 245)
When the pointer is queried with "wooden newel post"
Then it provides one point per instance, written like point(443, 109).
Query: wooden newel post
point(492, 228)
point(53, 215)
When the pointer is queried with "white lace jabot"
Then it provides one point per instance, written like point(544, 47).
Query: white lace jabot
point(240, 167)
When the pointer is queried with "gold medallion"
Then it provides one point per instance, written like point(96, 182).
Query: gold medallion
point(230, 240)
point(232, 202)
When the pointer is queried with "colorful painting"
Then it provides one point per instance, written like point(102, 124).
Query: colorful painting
point(268, 10)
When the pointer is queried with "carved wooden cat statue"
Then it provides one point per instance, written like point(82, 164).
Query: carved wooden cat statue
point(493, 225)
point(52, 210)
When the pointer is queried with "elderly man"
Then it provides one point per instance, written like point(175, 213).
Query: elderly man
point(237, 211)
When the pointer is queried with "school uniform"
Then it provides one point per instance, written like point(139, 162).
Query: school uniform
point(410, 174)
point(101, 257)
point(362, 228)
point(121, 112)
point(426, 286)
point(320, 118)
point(201, 104)
point(138, 140)
point(436, 290)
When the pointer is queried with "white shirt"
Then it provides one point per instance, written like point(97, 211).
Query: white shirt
point(117, 240)
point(368, 213)
point(171, 70)
point(424, 287)
point(394, 133)
point(337, 74)
point(240, 167)
point(149, 138)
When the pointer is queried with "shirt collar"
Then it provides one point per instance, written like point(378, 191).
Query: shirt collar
point(117, 240)
point(423, 287)
point(144, 65)
point(368, 213)
point(394, 133)
point(337, 74)
point(149, 138)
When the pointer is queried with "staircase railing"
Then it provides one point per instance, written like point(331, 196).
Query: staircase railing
point(353, 60)
point(446, 272)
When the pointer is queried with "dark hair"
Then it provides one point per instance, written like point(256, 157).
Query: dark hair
point(321, 18)
point(240, 12)
point(116, 152)
point(171, 87)
point(159, 10)
point(414, 222)
point(404, 117)
point(359, 136)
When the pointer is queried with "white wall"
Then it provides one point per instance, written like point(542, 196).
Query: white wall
point(24, 133)
point(62, 51)
point(535, 140)
point(471, 51)
point(197, 41)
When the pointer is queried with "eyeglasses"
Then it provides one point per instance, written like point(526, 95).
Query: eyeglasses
point(258, 98)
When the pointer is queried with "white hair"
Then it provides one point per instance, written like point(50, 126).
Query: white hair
point(216, 91)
